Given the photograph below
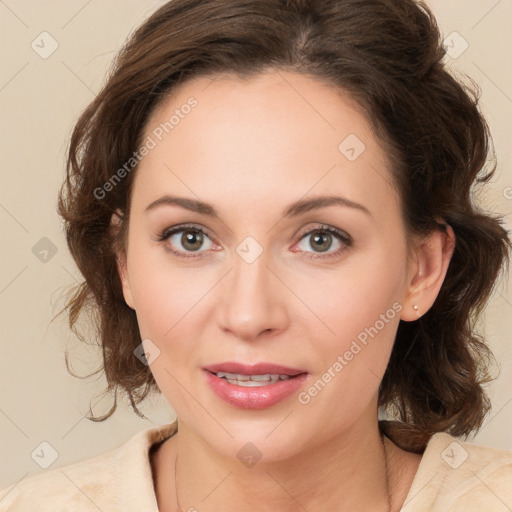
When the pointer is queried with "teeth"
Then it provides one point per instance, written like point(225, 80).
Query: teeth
point(251, 380)
point(233, 376)
point(258, 378)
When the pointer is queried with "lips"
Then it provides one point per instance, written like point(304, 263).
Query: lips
point(256, 386)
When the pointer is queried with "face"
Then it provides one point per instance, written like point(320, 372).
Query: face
point(265, 273)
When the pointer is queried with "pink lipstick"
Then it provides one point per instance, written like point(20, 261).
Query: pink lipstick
point(255, 386)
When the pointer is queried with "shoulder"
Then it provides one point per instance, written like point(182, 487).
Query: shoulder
point(456, 475)
point(119, 479)
point(77, 486)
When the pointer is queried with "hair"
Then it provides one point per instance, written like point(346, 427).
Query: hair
point(387, 56)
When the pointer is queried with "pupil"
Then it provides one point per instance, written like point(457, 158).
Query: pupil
point(193, 238)
point(325, 237)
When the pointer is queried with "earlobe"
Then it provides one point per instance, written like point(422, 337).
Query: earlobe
point(431, 261)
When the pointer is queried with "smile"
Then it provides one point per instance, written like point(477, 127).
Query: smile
point(251, 380)
point(257, 386)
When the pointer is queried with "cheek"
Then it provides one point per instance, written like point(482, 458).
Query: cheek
point(351, 354)
point(164, 293)
point(164, 302)
point(346, 301)
point(359, 308)
point(169, 308)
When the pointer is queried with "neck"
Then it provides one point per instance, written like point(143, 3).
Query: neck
point(347, 472)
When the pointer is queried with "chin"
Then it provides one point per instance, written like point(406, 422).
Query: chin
point(255, 435)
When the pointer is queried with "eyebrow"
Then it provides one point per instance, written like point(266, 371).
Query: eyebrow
point(295, 209)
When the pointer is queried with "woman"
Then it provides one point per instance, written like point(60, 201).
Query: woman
point(271, 204)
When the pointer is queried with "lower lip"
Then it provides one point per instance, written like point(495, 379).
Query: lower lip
point(259, 397)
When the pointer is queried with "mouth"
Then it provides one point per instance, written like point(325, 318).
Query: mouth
point(239, 379)
point(255, 386)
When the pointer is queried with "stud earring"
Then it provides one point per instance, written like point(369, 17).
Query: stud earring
point(415, 307)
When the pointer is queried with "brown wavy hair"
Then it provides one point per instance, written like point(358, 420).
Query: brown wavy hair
point(387, 55)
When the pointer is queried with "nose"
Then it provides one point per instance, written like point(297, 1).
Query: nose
point(252, 300)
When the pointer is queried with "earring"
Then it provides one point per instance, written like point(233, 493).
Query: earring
point(415, 307)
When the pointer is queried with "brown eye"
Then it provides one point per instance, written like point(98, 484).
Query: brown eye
point(186, 239)
point(191, 240)
point(321, 241)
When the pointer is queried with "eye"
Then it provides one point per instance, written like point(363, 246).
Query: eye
point(186, 239)
point(321, 240)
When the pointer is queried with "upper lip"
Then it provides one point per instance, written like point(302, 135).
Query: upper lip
point(252, 369)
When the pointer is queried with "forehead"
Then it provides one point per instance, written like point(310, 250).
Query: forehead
point(274, 134)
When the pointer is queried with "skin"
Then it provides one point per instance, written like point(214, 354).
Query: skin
point(250, 148)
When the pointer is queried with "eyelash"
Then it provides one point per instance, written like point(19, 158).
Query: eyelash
point(340, 235)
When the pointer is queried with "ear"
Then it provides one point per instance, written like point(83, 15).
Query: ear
point(427, 271)
point(121, 261)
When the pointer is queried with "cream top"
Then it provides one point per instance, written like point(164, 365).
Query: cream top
point(453, 476)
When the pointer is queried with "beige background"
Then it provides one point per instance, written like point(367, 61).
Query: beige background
point(40, 100)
